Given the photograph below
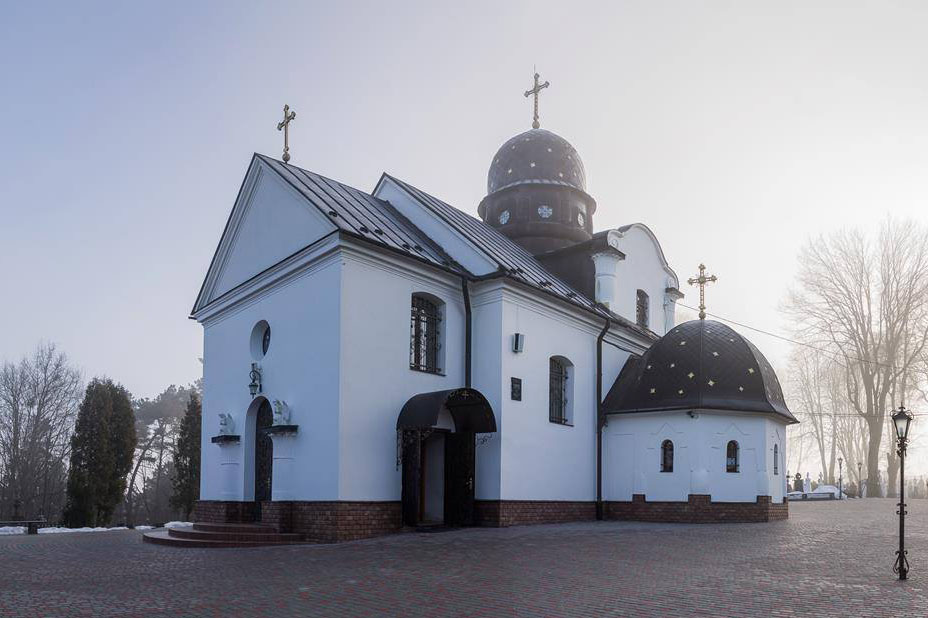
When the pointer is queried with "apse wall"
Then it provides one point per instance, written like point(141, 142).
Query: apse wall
point(632, 456)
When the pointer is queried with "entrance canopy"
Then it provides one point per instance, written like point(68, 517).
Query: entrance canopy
point(468, 407)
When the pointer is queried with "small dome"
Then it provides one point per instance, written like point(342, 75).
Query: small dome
point(700, 364)
point(536, 156)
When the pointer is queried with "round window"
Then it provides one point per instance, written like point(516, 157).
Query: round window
point(504, 217)
point(260, 339)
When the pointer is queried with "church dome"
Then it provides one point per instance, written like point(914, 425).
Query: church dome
point(699, 365)
point(536, 156)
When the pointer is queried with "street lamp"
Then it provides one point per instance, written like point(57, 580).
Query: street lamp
point(840, 473)
point(901, 421)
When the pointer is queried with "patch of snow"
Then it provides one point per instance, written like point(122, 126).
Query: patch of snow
point(66, 530)
point(178, 524)
point(144, 527)
point(12, 530)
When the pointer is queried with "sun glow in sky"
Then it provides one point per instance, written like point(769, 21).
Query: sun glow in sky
point(736, 131)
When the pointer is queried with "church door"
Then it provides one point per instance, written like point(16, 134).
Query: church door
point(264, 454)
point(460, 451)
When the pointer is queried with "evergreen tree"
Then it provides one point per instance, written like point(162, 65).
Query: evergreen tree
point(187, 459)
point(101, 454)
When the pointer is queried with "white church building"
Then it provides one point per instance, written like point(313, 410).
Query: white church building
point(380, 360)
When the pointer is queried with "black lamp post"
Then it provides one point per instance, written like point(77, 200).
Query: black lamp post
point(840, 478)
point(901, 421)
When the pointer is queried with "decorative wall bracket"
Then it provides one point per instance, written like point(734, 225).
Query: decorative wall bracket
point(226, 438)
point(282, 430)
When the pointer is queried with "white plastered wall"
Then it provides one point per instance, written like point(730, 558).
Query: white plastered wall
point(632, 450)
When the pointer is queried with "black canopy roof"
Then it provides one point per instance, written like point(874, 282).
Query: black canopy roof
point(468, 407)
point(701, 364)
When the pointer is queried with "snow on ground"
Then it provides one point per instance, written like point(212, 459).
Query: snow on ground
point(66, 530)
point(178, 524)
point(144, 527)
point(12, 530)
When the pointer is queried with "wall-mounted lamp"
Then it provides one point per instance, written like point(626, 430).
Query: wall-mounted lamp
point(518, 343)
point(255, 374)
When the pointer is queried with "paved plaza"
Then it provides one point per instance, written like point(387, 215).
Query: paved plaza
point(829, 559)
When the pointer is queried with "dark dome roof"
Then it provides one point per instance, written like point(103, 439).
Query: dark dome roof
point(536, 156)
point(701, 364)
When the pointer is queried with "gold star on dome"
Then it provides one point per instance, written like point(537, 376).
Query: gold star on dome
point(653, 390)
point(680, 392)
point(741, 388)
point(683, 343)
point(690, 375)
point(715, 354)
point(710, 383)
point(750, 370)
point(672, 365)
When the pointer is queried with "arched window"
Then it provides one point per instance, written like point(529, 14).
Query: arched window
point(425, 334)
point(642, 309)
point(731, 457)
point(776, 458)
point(558, 401)
point(667, 456)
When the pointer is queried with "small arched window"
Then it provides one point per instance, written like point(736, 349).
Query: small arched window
point(642, 309)
point(425, 334)
point(731, 457)
point(776, 458)
point(667, 456)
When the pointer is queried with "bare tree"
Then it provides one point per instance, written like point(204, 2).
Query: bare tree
point(865, 301)
point(39, 396)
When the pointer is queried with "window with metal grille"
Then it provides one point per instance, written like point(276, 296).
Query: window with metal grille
point(776, 458)
point(667, 456)
point(557, 392)
point(731, 457)
point(425, 335)
point(642, 308)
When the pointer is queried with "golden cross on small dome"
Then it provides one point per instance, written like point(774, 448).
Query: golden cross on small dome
point(702, 280)
point(535, 91)
point(285, 126)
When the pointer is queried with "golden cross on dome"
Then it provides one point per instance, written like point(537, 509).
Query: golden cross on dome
point(702, 280)
point(535, 91)
point(285, 126)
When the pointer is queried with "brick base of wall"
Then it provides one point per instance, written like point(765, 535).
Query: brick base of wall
point(699, 509)
point(224, 512)
point(323, 522)
point(502, 513)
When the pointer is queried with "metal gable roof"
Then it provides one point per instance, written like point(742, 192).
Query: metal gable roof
point(511, 258)
point(361, 214)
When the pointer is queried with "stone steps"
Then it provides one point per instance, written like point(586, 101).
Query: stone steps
point(221, 535)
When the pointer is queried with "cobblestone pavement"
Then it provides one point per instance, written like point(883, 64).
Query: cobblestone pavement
point(829, 559)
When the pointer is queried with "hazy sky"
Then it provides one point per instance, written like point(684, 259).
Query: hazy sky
point(735, 130)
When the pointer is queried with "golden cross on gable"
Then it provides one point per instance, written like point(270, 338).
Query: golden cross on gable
point(534, 91)
point(285, 126)
point(702, 280)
